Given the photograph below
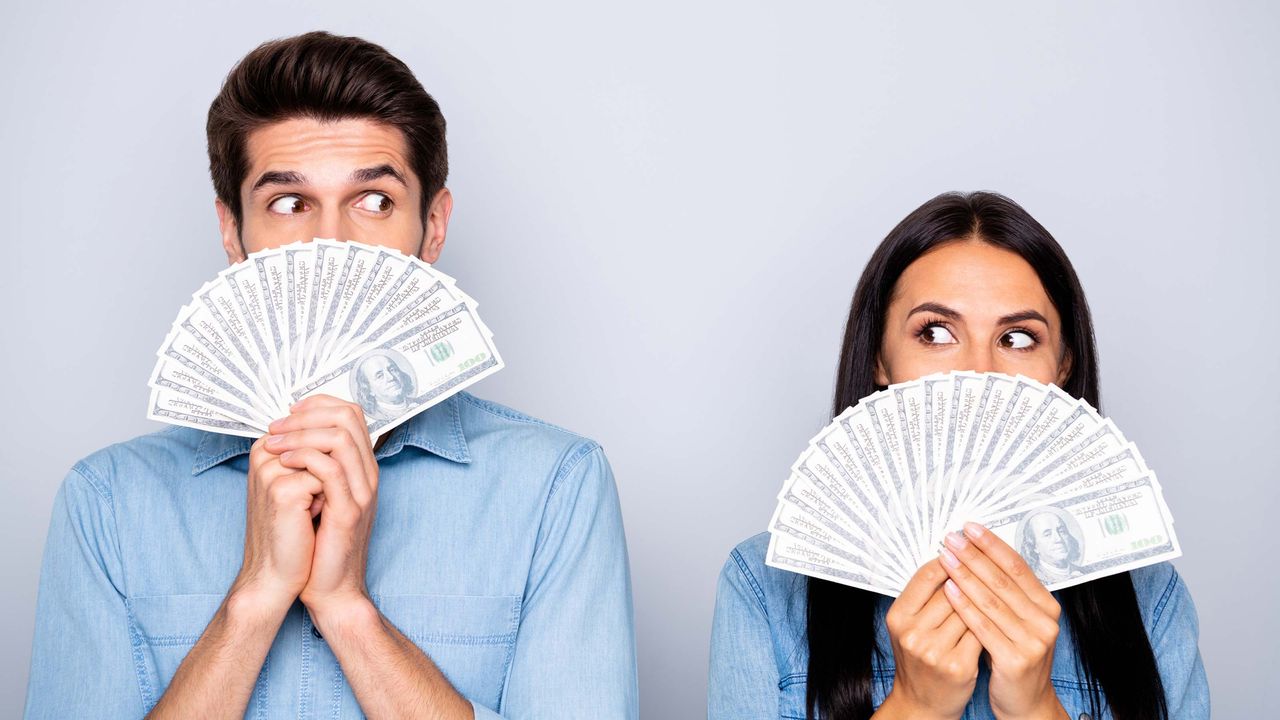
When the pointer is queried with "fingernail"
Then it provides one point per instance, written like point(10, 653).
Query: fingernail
point(956, 541)
point(949, 558)
point(974, 530)
point(274, 440)
point(951, 588)
point(284, 457)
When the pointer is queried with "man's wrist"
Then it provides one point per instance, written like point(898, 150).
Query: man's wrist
point(346, 617)
point(252, 609)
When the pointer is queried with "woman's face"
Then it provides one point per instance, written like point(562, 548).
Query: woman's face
point(969, 305)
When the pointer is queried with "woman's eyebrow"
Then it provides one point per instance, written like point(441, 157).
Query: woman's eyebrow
point(1021, 316)
point(951, 314)
point(934, 307)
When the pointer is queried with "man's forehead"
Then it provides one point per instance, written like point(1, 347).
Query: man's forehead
point(325, 151)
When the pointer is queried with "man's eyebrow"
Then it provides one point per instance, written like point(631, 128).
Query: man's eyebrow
point(364, 175)
point(278, 177)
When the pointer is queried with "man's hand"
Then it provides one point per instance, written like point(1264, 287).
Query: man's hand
point(328, 439)
point(278, 537)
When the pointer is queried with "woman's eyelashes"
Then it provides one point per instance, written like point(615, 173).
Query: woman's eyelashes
point(936, 332)
point(1019, 339)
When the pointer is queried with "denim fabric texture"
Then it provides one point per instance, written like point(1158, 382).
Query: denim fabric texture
point(497, 548)
point(760, 655)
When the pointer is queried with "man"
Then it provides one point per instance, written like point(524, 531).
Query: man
point(191, 574)
point(1049, 547)
point(382, 387)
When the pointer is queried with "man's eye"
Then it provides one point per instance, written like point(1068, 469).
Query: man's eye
point(1017, 340)
point(287, 205)
point(375, 202)
point(937, 335)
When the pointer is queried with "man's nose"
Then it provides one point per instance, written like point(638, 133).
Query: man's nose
point(334, 224)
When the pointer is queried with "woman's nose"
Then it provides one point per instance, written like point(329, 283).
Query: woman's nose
point(982, 359)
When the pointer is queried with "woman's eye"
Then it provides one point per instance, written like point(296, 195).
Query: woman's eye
point(287, 205)
point(1017, 340)
point(937, 335)
point(375, 202)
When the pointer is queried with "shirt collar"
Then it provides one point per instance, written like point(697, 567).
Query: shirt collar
point(437, 430)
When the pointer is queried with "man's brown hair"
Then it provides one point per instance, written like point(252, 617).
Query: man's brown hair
point(323, 77)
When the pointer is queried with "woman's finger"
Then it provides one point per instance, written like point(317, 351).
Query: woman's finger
point(987, 632)
point(992, 576)
point(994, 608)
point(920, 588)
point(1012, 564)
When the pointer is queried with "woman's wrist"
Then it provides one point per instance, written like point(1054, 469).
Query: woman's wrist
point(1050, 708)
point(899, 706)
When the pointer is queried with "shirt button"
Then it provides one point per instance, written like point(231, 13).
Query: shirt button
point(316, 631)
point(1085, 716)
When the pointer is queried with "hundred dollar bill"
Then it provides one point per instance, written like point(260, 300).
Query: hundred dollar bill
point(412, 371)
point(794, 520)
point(1104, 531)
point(795, 555)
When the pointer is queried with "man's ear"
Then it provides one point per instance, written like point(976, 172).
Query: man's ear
point(437, 226)
point(882, 376)
point(230, 233)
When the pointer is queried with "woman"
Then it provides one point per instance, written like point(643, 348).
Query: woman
point(966, 282)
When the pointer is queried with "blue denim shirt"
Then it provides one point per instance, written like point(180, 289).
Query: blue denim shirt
point(497, 548)
point(760, 654)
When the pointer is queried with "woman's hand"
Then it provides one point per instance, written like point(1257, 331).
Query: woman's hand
point(936, 657)
point(1014, 617)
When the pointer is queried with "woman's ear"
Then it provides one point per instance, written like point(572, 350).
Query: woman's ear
point(882, 375)
point(1064, 367)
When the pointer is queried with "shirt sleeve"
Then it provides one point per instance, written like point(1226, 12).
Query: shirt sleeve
point(575, 649)
point(81, 658)
point(1175, 640)
point(743, 679)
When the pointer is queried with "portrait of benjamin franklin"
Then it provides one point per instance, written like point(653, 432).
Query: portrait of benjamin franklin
point(382, 384)
point(1049, 539)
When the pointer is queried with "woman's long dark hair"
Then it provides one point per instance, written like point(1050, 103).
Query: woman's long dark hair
point(1111, 643)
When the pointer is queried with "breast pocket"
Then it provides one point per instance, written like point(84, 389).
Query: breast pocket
point(470, 638)
point(791, 692)
point(163, 628)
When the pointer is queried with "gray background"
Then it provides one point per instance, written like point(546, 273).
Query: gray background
point(663, 210)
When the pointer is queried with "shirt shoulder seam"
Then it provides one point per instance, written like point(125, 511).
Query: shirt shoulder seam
point(570, 463)
point(1158, 613)
point(751, 580)
point(89, 475)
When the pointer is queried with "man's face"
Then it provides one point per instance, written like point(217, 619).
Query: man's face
point(347, 180)
point(1050, 534)
point(383, 380)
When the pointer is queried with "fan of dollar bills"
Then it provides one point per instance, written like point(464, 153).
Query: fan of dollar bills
point(871, 498)
point(362, 323)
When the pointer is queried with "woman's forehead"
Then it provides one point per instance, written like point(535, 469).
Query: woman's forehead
point(974, 278)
